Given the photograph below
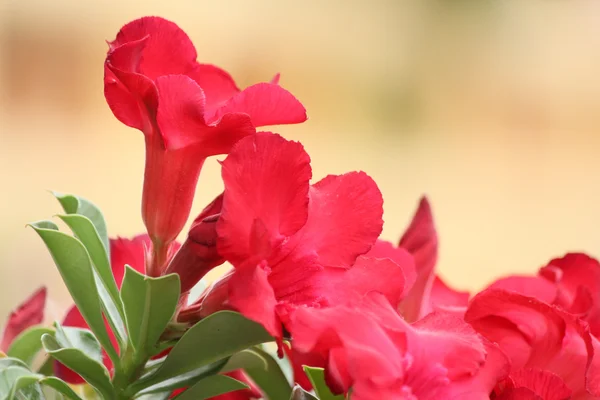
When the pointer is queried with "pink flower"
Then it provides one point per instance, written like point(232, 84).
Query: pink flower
point(122, 251)
point(295, 244)
point(535, 335)
point(577, 280)
point(371, 351)
point(187, 112)
point(427, 291)
point(198, 254)
point(26, 315)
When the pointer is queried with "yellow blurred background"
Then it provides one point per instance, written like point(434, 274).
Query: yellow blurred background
point(491, 108)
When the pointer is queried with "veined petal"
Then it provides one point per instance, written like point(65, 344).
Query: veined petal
point(266, 104)
point(344, 219)
point(266, 178)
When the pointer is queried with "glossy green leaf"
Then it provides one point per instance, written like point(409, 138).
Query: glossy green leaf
point(28, 344)
point(300, 394)
point(218, 336)
point(78, 205)
point(149, 303)
point(75, 267)
point(271, 380)
point(210, 387)
point(85, 231)
point(184, 380)
point(317, 378)
point(86, 366)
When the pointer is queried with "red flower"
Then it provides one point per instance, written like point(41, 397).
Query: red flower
point(577, 280)
point(26, 315)
point(440, 357)
point(122, 251)
point(535, 335)
point(426, 290)
point(187, 112)
point(292, 243)
point(198, 254)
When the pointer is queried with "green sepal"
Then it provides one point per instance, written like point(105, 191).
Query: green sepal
point(300, 394)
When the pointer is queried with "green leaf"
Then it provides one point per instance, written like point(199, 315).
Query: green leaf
point(7, 362)
point(9, 378)
point(28, 344)
point(78, 205)
point(317, 378)
point(60, 386)
point(184, 380)
point(271, 380)
point(26, 386)
point(218, 336)
point(85, 231)
point(80, 339)
point(150, 303)
point(248, 358)
point(300, 394)
point(210, 387)
point(88, 367)
point(74, 265)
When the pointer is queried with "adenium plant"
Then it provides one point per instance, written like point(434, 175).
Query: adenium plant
point(315, 304)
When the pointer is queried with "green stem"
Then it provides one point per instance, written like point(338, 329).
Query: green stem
point(132, 365)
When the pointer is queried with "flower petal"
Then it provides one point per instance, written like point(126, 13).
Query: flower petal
point(545, 384)
point(217, 84)
point(266, 104)
point(444, 296)
point(579, 273)
point(181, 121)
point(169, 50)
point(26, 315)
point(421, 240)
point(251, 294)
point(130, 252)
point(531, 286)
point(266, 178)
point(345, 219)
point(385, 249)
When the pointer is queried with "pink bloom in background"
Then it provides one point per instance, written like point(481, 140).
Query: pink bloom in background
point(187, 111)
point(439, 357)
point(26, 315)
point(295, 244)
point(540, 337)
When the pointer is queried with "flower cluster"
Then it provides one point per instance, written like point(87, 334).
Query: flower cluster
point(307, 263)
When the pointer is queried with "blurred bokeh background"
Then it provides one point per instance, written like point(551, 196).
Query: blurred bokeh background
point(491, 108)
